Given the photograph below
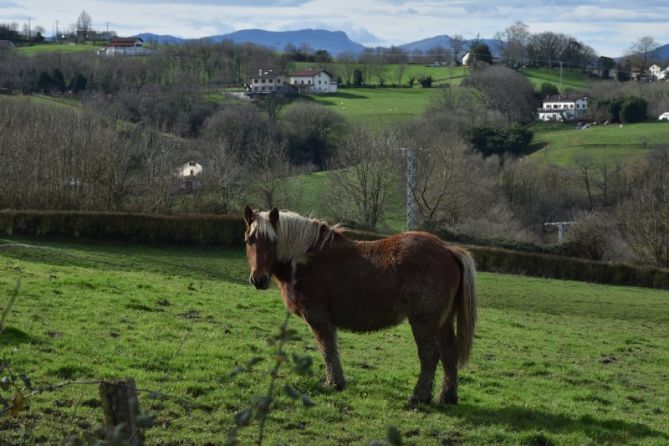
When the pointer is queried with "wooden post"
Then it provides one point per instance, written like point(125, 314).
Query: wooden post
point(121, 408)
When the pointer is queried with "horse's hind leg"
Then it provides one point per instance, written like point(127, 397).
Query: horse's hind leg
point(449, 360)
point(424, 328)
point(326, 338)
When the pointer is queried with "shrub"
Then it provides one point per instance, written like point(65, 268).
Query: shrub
point(489, 141)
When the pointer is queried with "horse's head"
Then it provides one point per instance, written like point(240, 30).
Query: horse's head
point(260, 239)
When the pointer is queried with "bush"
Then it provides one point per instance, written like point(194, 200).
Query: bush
point(425, 81)
point(633, 109)
point(126, 227)
point(489, 141)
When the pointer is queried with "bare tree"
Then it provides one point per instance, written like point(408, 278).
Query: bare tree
point(645, 216)
point(457, 44)
point(644, 49)
point(83, 25)
point(363, 177)
point(269, 167)
point(515, 39)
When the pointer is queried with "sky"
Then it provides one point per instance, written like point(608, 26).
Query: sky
point(609, 26)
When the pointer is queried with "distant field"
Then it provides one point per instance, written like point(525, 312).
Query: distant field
point(378, 104)
point(562, 142)
point(451, 75)
point(574, 80)
point(56, 48)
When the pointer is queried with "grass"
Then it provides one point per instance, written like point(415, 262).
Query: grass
point(451, 75)
point(574, 80)
point(57, 48)
point(378, 104)
point(554, 362)
point(560, 143)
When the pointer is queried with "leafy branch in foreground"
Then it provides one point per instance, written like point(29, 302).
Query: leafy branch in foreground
point(261, 404)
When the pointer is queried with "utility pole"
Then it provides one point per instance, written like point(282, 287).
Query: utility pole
point(561, 225)
point(57, 35)
point(411, 186)
point(560, 75)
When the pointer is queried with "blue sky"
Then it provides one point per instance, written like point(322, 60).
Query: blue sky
point(609, 26)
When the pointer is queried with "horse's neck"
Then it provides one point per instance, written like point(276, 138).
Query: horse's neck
point(283, 269)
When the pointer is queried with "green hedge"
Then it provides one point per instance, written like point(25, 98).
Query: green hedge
point(228, 231)
point(126, 227)
point(569, 268)
point(506, 261)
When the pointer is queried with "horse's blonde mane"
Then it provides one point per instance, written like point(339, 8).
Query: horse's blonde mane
point(295, 234)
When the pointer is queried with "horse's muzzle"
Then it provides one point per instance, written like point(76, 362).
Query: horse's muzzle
point(261, 283)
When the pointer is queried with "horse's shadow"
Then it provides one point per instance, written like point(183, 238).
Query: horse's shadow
point(521, 418)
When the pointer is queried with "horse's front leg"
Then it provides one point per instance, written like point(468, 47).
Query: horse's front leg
point(326, 338)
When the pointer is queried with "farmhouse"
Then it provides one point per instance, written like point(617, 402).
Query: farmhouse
point(313, 81)
point(664, 116)
point(120, 46)
point(272, 82)
point(267, 82)
point(658, 72)
point(187, 175)
point(563, 108)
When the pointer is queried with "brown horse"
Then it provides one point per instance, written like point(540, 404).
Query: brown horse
point(333, 282)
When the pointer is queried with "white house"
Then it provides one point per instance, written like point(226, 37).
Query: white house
point(309, 81)
point(266, 82)
point(658, 72)
point(187, 174)
point(466, 59)
point(664, 116)
point(119, 46)
point(313, 81)
point(563, 108)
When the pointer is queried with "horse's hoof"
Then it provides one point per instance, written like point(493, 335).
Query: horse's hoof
point(337, 385)
point(448, 399)
point(416, 400)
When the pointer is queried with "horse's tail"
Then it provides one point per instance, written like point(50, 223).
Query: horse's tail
point(465, 304)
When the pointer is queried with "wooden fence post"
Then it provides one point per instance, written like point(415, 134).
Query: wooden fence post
point(121, 408)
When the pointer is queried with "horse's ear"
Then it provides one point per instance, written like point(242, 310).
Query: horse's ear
point(249, 215)
point(274, 217)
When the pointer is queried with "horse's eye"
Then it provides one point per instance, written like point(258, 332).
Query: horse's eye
point(250, 240)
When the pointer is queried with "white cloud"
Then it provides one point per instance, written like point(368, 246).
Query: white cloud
point(610, 26)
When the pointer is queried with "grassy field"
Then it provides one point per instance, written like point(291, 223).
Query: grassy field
point(57, 48)
point(378, 104)
point(440, 75)
point(574, 80)
point(561, 142)
point(554, 362)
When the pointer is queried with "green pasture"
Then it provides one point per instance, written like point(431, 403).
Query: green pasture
point(574, 80)
point(57, 48)
point(391, 72)
point(554, 362)
point(378, 105)
point(560, 143)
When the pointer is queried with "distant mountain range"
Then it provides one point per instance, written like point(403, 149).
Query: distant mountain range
point(445, 42)
point(335, 42)
point(662, 53)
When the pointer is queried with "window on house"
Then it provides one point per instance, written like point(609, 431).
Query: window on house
point(255, 81)
point(263, 81)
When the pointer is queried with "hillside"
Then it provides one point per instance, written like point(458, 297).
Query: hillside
point(561, 143)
